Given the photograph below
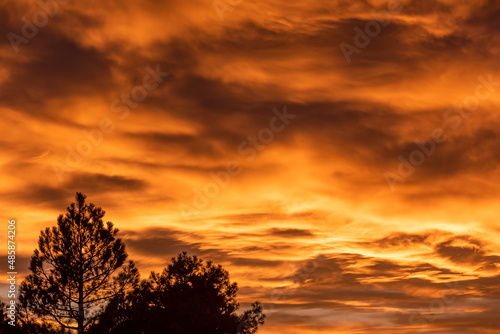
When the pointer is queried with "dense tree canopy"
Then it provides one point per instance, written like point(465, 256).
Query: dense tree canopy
point(188, 297)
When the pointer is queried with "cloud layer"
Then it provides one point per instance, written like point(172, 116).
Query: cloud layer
point(298, 208)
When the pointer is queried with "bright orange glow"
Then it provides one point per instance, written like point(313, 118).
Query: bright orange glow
point(299, 207)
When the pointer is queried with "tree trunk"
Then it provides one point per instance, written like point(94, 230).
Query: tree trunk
point(81, 311)
point(81, 316)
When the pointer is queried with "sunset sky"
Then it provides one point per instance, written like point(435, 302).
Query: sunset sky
point(339, 158)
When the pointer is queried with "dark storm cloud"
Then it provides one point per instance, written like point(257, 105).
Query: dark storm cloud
point(462, 154)
point(281, 247)
point(59, 197)
point(36, 194)
point(367, 128)
point(460, 249)
point(167, 242)
point(57, 66)
point(159, 243)
point(178, 144)
point(339, 279)
point(341, 285)
point(467, 250)
point(291, 232)
point(400, 239)
point(101, 183)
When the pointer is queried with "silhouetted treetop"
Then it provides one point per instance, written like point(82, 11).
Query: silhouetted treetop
point(187, 297)
point(72, 271)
